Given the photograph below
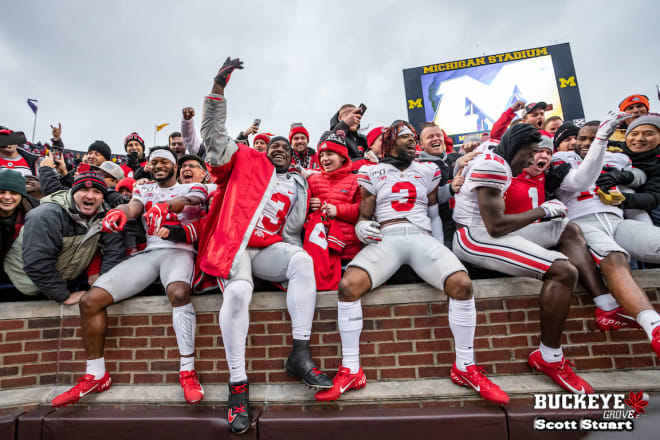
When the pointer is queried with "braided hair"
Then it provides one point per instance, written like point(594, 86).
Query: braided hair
point(391, 133)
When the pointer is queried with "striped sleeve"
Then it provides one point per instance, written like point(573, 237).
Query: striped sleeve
point(365, 180)
point(198, 190)
point(488, 173)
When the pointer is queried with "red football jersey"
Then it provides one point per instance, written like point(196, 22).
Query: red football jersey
point(526, 192)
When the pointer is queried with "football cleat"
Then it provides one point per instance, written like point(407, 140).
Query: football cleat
point(300, 365)
point(85, 385)
point(561, 372)
point(342, 382)
point(614, 319)
point(655, 340)
point(239, 415)
point(192, 389)
point(475, 377)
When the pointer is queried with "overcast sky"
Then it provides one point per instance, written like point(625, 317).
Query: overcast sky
point(106, 68)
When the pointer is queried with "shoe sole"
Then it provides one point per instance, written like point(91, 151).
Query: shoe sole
point(309, 385)
point(357, 387)
point(459, 381)
point(100, 390)
point(240, 432)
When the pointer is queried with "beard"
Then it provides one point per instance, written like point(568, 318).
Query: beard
point(170, 174)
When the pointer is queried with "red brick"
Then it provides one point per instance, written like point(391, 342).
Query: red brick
point(610, 349)
point(133, 366)
point(278, 327)
point(511, 368)
point(330, 364)
point(378, 361)
point(394, 347)
point(68, 344)
point(11, 325)
point(165, 320)
point(440, 308)
point(148, 378)
point(267, 316)
point(43, 322)
point(332, 313)
point(119, 331)
point(331, 338)
point(267, 340)
point(75, 367)
point(572, 351)
point(524, 327)
point(491, 329)
point(411, 310)
point(494, 355)
point(324, 350)
point(150, 354)
point(437, 345)
point(278, 352)
point(55, 333)
point(255, 329)
point(509, 341)
point(576, 325)
point(267, 364)
point(581, 312)
point(133, 342)
point(18, 382)
point(643, 348)
point(206, 318)
point(169, 341)
point(442, 333)
point(368, 324)
point(509, 316)
point(384, 324)
point(206, 341)
point(51, 356)
point(123, 378)
point(136, 320)
point(47, 379)
point(489, 304)
point(415, 359)
point(424, 333)
point(523, 353)
point(522, 303)
point(372, 312)
point(367, 348)
point(38, 369)
point(255, 352)
point(150, 331)
point(593, 363)
point(482, 343)
point(377, 335)
point(533, 315)
point(113, 321)
point(324, 326)
point(207, 329)
point(398, 373)
point(20, 358)
point(118, 354)
point(279, 377)
point(434, 372)
point(223, 378)
point(633, 362)
point(199, 365)
point(25, 335)
point(33, 346)
point(628, 335)
point(72, 321)
point(445, 358)
point(581, 338)
point(429, 321)
point(8, 371)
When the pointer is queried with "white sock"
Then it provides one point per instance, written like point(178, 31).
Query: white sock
point(349, 317)
point(187, 363)
point(301, 295)
point(551, 355)
point(96, 367)
point(649, 320)
point(234, 324)
point(606, 302)
point(184, 323)
point(463, 322)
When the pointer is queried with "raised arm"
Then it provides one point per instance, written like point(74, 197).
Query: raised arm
point(190, 138)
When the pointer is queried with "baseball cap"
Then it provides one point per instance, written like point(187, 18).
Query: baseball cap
point(111, 168)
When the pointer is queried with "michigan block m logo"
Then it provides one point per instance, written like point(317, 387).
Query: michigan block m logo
point(414, 103)
point(567, 82)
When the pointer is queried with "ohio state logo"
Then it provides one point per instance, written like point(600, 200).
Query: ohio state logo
point(88, 184)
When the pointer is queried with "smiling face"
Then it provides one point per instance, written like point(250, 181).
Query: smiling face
point(568, 144)
point(643, 138)
point(279, 154)
point(135, 146)
point(95, 158)
point(552, 126)
point(162, 170)
point(331, 161)
point(9, 201)
point(88, 200)
point(433, 140)
point(299, 142)
point(32, 184)
point(585, 138)
point(192, 172)
point(636, 110)
point(260, 145)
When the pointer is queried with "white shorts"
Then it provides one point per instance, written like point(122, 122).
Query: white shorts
point(134, 274)
point(411, 245)
point(269, 263)
point(509, 254)
point(545, 234)
point(606, 233)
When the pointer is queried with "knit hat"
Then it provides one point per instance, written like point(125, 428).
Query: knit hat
point(297, 128)
point(12, 181)
point(263, 136)
point(9, 137)
point(564, 131)
point(335, 142)
point(111, 168)
point(546, 142)
point(373, 135)
point(91, 179)
point(126, 182)
point(634, 99)
point(102, 148)
point(644, 120)
point(134, 137)
point(278, 138)
point(514, 138)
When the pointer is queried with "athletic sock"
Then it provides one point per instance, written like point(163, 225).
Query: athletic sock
point(184, 323)
point(234, 324)
point(649, 320)
point(301, 295)
point(551, 355)
point(606, 302)
point(187, 363)
point(349, 317)
point(96, 367)
point(463, 322)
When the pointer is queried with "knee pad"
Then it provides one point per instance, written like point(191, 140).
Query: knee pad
point(301, 264)
point(237, 296)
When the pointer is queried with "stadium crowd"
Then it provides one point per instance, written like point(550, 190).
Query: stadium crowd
point(534, 197)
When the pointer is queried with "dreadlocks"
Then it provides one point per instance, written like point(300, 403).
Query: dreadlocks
point(391, 133)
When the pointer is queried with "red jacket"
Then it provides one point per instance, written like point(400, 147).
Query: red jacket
point(340, 188)
point(501, 125)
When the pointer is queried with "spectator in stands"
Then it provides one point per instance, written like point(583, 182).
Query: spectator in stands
point(261, 141)
point(552, 124)
point(243, 136)
point(532, 113)
point(565, 137)
point(125, 186)
point(303, 154)
point(635, 105)
point(135, 162)
point(192, 169)
point(14, 157)
point(112, 173)
point(98, 152)
point(162, 201)
point(33, 187)
point(470, 143)
point(334, 204)
point(175, 140)
point(375, 141)
point(193, 142)
point(59, 240)
point(347, 119)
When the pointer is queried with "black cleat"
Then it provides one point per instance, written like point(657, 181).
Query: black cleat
point(239, 415)
point(300, 365)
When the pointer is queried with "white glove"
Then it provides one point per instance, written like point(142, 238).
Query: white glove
point(371, 156)
point(368, 232)
point(554, 208)
point(609, 124)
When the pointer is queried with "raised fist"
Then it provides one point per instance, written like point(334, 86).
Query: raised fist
point(188, 113)
point(222, 78)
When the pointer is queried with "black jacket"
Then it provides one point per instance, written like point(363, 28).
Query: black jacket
point(30, 158)
point(647, 196)
point(355, 142)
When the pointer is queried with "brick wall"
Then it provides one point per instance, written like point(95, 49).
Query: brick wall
point(399, 341)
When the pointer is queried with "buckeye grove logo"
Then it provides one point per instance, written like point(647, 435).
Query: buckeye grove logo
point(618, 411)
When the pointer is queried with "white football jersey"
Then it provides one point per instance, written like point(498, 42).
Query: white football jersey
point(275, 211)
point(485, 170)
point(584, 203)
point(401, 194)
point(150, 193)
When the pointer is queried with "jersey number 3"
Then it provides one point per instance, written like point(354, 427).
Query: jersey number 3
point(409, 201)
point(273, 224)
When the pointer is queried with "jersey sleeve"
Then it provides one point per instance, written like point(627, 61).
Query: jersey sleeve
point(490, 173)
point(138, 194)
point(197, 190)
point(432, 174)
point(365, 178)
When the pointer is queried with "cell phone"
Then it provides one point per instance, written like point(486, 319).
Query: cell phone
point(133, 155)
point(363, 108)
point(548, 107)
point(257, 122)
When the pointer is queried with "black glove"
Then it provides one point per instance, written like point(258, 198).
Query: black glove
point(554, 176)
point(133, 162)
point(613, 177)
point(222, 78)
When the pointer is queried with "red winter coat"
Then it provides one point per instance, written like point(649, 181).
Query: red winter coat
point(340, 188)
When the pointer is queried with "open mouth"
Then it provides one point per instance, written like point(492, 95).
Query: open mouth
point(87, 204)
point(541, 163)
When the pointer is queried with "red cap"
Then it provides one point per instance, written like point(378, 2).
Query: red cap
point(263, 136)
point(127, 183)
point(373, 135)
point(634, 99)
point(298, 129)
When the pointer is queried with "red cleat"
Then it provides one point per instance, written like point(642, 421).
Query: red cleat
point(561, 372)
point(475, 378)
point(342, 382)
point(614, 319)
point(85, 385)
point(655, 341)
point(192, 389)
